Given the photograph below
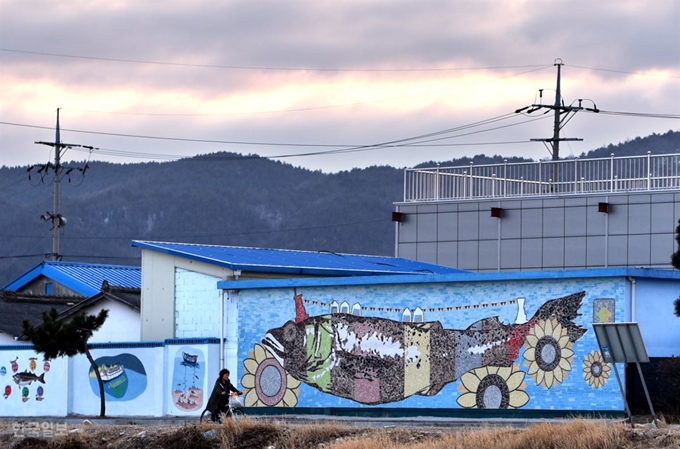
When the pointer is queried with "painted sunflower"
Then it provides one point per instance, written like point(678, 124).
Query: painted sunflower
point(266, 383)
point(492, 387)
point(548, 353)
point(595, 370)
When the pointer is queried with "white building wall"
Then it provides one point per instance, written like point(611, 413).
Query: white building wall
point(122, 325)
point(197, 305)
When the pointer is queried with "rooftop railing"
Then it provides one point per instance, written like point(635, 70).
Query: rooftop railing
point(564, 177)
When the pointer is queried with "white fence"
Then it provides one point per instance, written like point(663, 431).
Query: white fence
point(571, 176)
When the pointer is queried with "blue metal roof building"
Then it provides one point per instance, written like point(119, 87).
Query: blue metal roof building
point(83, 278)
point(313, 263)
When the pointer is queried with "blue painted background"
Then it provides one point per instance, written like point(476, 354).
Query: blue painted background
point(263, 309)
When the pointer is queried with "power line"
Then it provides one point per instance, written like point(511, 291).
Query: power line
point(341, 148)
point(640, 114)
point(268, 68)
point(200, 235)
point(622, 71)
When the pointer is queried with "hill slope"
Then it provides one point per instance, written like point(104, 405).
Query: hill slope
point(222, 199)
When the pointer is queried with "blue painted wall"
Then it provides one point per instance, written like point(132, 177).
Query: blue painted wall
point(461, 304)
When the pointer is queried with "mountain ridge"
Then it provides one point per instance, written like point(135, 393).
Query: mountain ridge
point(222, 199)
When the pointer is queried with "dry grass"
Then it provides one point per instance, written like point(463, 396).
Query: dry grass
point(249, 433)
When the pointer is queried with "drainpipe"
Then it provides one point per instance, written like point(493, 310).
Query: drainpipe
point(632, 298)
point(225, 296)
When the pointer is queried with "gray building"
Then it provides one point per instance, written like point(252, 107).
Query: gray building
point(570, 214)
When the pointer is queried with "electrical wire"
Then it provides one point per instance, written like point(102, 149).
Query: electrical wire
point(636, 114)
point(622, 71)
point(200, 235)
point(268, 68)
point(340, 148)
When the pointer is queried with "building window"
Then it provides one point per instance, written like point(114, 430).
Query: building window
point(406, 315)
point(418, 315)
point(48, 288)
point(334, 307)
point(344, 307)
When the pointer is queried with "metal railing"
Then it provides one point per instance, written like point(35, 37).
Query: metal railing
point(564, 177)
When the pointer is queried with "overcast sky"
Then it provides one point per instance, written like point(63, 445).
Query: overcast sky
point(321, 76)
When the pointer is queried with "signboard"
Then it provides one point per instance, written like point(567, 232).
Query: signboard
point(621, 342)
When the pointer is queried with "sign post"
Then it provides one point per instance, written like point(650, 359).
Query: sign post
point(622, 343)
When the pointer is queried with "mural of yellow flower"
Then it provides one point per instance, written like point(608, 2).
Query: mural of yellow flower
point(595, 370)
point(493, 387)
point(548, 353)
point(266, 383)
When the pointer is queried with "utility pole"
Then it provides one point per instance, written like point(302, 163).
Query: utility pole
point(559, 121)
point(58, 221)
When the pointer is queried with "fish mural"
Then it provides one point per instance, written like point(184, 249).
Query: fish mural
point(26, 377)
point(374, 360)
point(3, 370)
point(8, 391)
point(15, 365)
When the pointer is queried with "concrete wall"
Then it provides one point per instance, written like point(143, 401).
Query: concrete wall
point(330, 360)
point(121, 325)
point(159, 271)
point(155, 380)
point(564, 232)
point(196, 300)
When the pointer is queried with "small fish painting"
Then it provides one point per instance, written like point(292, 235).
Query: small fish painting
point(46, 366)
point(39, 394)
point(3, 370)
point(15, 365)
point(32, 364)
point(8, 391)
point(26, 377)
point(24, 394)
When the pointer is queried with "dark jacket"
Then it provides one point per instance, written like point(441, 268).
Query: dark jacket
point(218, 399)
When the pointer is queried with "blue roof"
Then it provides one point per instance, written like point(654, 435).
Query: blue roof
point(84, 278)
point(467, 276)
point(317, 263)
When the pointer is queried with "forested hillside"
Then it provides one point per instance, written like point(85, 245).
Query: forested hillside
point(221, 198)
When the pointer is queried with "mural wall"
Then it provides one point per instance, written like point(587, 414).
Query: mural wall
point(31, 384)
point(140, 379)
point(510, 345)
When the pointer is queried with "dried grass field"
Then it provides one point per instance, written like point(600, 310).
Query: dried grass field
point(254, 434)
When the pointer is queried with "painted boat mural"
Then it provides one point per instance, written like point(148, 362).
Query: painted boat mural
point(108, 373)
point(123, 374)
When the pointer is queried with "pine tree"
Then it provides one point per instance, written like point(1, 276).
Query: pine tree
point(675, 260)
point(56, 338)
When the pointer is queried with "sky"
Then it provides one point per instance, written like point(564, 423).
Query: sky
point(331, 85)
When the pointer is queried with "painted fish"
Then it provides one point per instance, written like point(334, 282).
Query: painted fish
point(26, 377)
point(375, 360)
